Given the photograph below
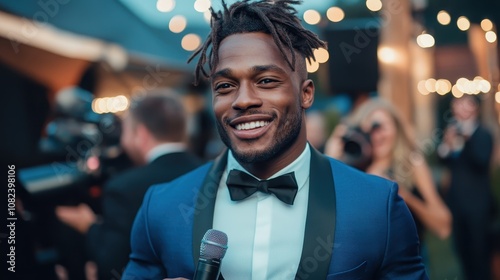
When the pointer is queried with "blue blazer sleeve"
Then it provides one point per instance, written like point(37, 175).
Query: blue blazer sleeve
point(402, 258)
point(144, 262)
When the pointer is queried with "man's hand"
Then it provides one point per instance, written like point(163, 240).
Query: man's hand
point(450, 135)
point(79, 217)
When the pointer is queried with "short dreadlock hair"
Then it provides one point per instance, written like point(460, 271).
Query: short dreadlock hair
point(277, 18)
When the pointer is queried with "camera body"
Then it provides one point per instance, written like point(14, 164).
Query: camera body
point(81, 154)
point(358, 149)
point(80, 150)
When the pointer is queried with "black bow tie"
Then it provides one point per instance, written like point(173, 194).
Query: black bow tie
point(242, 185)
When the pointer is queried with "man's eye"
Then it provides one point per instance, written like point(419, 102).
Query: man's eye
point(222, 86)
point(266, 81)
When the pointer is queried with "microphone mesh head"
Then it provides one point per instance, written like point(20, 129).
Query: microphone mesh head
point(213, 244)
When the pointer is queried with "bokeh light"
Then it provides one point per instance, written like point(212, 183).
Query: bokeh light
point(486, 24)
point(110, 104)
point(312, 67)
point(190, 42)
point(425, 40)
point(207, 16)
point(456, 92)
point(430, 85)
point(335, 14)
point(463, 23)
point(387, 55)
point(312, 17)
point(202, 5)
point(490, 36)
point(374, 5)
point(177, 24)
point(421, 88)
point(321, 55)
point(442, 86)
point(443, 17)
point(476, 86)
point(165, 6)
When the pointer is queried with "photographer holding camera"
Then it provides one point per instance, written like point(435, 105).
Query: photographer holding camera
point(154, 135)
point(466, 150)
point(375, 140)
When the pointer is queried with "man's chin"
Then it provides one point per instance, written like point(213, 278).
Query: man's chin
point(250, 155)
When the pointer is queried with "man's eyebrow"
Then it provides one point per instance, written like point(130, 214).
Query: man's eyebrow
point(226, 72)
point(270, 67)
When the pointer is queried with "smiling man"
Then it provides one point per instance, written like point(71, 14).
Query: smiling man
point(289, 212)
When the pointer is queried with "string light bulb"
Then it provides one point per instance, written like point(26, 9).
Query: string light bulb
point(443, 17)
point(463, 23)
point(374, 5)
point(321, 55)
point(486, 24)
point(202, 5)
point(312, 67)
point(490, 36)
point(165, 6)
point(312, 17)
point(335, 14)
point(190, 42)
point(177, 24)
point(425, 40)
point(421, 88)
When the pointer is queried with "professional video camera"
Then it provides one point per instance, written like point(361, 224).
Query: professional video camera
point(83, 148)
point(358, 151)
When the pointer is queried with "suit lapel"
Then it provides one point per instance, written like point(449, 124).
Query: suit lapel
point(320, 223)
point(205, 203)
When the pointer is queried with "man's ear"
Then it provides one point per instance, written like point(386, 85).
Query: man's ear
point(307, 94)
point(141, 134)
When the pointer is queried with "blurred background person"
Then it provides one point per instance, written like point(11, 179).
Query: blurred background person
point(154, 137)
point(316, 129)
point(375, 139)
point(203, 139)
point(466, 150)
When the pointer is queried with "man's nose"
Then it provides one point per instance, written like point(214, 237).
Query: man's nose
point(247, 97)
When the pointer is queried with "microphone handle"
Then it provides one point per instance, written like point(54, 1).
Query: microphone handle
point(207, 269)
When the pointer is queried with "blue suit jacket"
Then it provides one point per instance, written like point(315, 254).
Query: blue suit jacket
point(357, 226)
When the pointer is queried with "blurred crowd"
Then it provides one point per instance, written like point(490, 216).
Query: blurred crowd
point(80, 228)
point(453, 199)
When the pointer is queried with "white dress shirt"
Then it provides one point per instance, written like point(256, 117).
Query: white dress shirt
point(265, 235)
point(465, 129)
point(163, 149)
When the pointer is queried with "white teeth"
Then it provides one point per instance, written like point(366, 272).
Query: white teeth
point(251, 125)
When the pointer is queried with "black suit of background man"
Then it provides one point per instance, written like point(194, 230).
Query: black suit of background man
point(466, 150)
point(153, 136)
point(108, 243)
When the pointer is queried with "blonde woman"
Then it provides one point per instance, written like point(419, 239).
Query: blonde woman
point(395, 156)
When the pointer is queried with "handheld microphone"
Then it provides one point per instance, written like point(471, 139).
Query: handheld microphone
point(212, 249)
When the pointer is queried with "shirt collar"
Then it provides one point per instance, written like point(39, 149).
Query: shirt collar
point(468, 127)
point(300, 167)
point(163, 149)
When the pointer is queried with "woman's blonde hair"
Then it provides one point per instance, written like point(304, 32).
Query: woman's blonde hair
point(404, 151)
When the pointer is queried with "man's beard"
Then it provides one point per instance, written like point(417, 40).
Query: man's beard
point(284, 138)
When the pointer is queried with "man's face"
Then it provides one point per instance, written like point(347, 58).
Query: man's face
point(258, 100)
point(464, 108)
point(128, 139)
